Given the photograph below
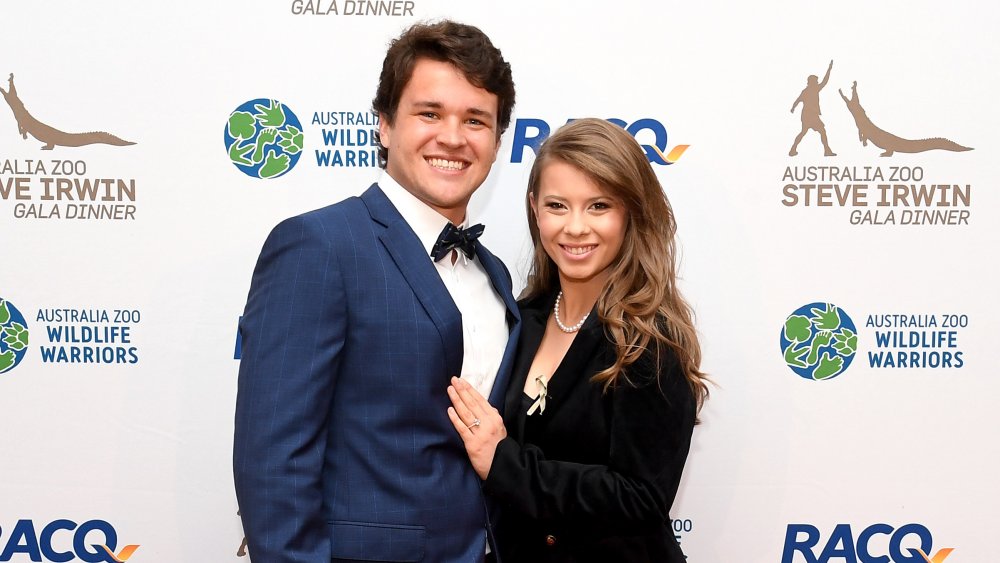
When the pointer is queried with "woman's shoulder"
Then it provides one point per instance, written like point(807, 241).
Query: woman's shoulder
point(658, 371)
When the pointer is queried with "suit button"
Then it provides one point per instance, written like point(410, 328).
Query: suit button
point(550, 540)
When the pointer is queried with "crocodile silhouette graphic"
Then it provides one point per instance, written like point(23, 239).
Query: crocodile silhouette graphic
point(868, 131)
point(50, 136)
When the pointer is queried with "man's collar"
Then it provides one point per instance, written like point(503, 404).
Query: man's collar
point(425, 221)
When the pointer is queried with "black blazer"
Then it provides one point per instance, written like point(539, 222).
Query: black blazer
point(593, 478)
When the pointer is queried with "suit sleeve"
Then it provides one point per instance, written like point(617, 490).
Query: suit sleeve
point(651, 427)
point(293, 331)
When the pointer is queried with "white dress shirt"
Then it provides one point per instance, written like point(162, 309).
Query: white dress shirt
point(484, 316)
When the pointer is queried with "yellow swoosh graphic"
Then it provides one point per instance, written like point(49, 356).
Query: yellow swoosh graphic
point(123, 555)
point(939, 557)
point(674, 154)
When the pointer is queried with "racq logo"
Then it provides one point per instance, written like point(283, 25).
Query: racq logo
point(60, 541)
point(529, 133)
point(878, 543)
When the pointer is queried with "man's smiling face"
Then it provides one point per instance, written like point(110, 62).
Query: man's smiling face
point(444, 138)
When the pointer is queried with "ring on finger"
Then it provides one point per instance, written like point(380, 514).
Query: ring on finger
point(475, 423)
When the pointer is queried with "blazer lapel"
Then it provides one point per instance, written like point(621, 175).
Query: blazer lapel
point(532, 329)
point(576, 367)
point(415, 265)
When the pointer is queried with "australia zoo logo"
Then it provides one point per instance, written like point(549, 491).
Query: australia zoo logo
point(13, 336)
point(49, 136)
point(263, 138)
point(868, 132)
point(819, 341)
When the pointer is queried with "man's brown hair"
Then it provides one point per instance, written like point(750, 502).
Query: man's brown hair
point(464, 46)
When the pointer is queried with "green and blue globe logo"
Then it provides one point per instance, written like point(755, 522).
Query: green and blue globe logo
point(13, 336)
point(819, 341)
point(264, 138)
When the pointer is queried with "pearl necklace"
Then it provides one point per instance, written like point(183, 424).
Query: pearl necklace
point(562, 327)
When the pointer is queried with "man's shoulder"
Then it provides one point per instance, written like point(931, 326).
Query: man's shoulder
point(342, 210)
point(335, 215)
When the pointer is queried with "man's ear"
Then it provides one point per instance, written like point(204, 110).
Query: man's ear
point(384, 130)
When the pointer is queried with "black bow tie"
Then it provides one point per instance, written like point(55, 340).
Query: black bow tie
point(453, 237)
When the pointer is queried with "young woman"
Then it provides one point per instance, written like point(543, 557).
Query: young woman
point(606, 386)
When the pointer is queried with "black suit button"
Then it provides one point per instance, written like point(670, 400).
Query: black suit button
point(550, 540)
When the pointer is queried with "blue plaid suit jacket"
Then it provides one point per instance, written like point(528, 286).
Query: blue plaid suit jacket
point(343, 448)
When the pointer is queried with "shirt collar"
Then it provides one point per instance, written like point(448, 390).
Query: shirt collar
point(422, 218)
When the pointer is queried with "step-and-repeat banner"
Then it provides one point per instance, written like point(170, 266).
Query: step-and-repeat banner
point(833, 169)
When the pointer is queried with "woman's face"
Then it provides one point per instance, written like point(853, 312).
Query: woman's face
point(580, 225)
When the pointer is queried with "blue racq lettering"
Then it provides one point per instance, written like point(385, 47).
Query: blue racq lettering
point(23, 540)
point(804, 546)
point(865, 537)
point(238, 352)
point(802, 539)
point(530, 133)
point(522, 140)
point(45, 540)
point(840, 545)
point(81, 545)
point(659, 137)
point(896, 544)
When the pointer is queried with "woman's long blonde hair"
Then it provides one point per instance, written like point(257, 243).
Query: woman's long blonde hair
point(640, 306)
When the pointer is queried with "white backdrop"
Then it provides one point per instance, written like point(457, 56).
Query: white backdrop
point(143, 446)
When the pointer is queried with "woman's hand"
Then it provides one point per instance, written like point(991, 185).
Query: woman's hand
point(477, 422)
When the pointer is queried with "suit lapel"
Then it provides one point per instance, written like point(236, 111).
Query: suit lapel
point(416, 267)
point(501, 282)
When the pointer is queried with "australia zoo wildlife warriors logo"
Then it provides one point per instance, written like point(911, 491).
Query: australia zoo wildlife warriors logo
point(49, 136)
point(263, 138)
point(819, 341)
point(13, 336)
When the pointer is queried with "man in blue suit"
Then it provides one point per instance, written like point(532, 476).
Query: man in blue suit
point(358, 315)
